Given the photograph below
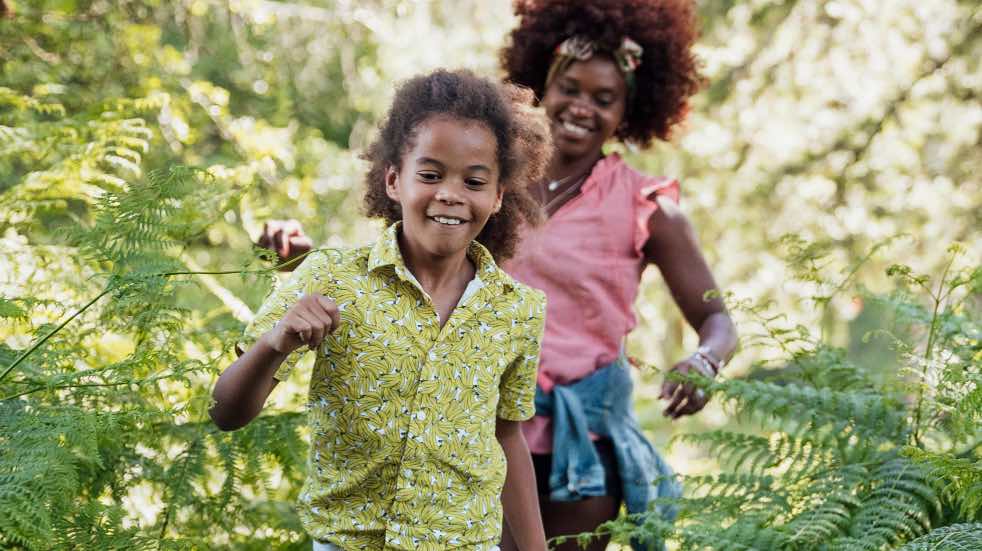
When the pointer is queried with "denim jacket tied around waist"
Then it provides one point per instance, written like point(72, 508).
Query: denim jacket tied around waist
point(601, 403)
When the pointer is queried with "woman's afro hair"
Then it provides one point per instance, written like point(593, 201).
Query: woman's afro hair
point(664, 81)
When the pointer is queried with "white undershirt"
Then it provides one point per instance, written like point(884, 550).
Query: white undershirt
point(473, 286)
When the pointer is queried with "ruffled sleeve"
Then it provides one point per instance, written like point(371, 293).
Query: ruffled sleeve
point(645, 205)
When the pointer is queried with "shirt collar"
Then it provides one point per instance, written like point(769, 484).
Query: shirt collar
point(386, 252)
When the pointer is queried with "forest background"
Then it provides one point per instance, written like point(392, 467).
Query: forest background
point(831, 168)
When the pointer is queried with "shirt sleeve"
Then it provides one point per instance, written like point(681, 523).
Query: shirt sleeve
point(516, 392)
point(645, 205)
point(308, 277)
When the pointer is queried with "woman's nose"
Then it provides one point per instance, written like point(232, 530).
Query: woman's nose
point(579, 108)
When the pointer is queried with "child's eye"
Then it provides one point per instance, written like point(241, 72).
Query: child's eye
point(428, 176)
point(604, 101)
point(474, 182)
point(568, 90)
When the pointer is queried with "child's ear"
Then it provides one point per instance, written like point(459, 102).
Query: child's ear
point(497, 202)
point(392, 183)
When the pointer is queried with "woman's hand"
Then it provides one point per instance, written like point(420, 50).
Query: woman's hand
point(686, 398)
point(674, 249)
point(286, 239)
point(311, 319)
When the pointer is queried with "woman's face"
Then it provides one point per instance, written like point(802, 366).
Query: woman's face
point(585, 105)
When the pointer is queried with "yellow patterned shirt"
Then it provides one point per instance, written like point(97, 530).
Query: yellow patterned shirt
point(402, 412)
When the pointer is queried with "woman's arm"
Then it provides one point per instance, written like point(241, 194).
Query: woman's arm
point(242, 389)
point(674, 249)
point(519, 498)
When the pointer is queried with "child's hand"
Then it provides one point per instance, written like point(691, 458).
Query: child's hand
point(306, 323)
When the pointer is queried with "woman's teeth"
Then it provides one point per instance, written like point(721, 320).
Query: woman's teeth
point(575, 129)
point(448, 221)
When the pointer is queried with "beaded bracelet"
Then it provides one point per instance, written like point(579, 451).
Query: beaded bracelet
point(703, 366)
point(705, 354)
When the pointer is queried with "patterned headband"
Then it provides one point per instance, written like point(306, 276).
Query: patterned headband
point(580, 48)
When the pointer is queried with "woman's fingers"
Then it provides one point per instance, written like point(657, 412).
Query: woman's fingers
point(668, 389)
point(285, 238)
point(265, 238)
point(677, 398)
point(686, 398)
point(697, 400)
point(299, 244)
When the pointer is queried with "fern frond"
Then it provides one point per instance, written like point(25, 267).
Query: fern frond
point(804, 407)
point(757, 454)
point(898, 506)
point(822, 521)
point(38, 480)
point(957, 537)
point(959, 479)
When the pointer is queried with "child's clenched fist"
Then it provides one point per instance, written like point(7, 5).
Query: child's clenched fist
point(306, 323)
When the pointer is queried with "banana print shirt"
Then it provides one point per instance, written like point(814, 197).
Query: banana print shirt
point(402, 412)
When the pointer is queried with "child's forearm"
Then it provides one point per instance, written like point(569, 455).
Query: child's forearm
point(242, 389)
point(519, 497)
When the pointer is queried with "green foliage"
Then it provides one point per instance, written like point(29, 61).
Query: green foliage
point(958, 537)
point(124, 278)
point(845, 462)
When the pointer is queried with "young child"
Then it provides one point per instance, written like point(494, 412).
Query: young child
point(426, 352)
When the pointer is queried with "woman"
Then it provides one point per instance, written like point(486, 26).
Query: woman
point(606, 70)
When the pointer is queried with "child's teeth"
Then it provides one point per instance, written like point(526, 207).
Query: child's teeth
point(450, 221)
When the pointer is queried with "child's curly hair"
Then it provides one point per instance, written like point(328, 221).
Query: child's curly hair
point(667, 76)
point(523, 148)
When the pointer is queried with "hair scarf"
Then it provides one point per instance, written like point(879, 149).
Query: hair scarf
point(580, 48)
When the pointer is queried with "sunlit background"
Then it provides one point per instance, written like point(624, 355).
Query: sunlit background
point(846, 123)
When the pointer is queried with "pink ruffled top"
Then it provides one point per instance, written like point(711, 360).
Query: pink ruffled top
point(588, 260)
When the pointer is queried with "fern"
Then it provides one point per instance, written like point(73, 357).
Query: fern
point(957, 537)
point(846, 461)
point(957, 477)
point(80, 437)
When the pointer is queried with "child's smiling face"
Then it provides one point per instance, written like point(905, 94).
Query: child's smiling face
point(447, 185)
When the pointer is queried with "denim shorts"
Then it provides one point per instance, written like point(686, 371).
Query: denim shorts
point(542, 463)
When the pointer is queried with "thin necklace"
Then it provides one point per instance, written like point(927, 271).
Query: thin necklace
point(566, 192)
point(554, 184)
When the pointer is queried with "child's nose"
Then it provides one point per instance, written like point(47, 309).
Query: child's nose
point(448, 194)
